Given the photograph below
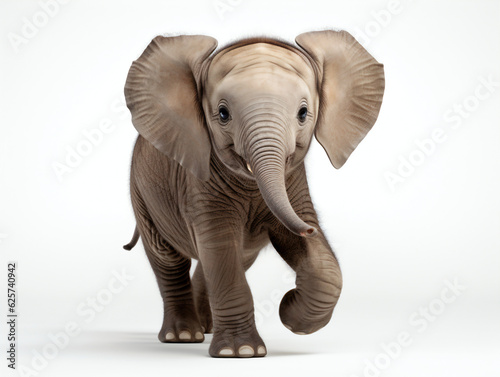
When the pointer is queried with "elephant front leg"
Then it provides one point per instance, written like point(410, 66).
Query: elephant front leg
point(234, 330)
point(309, 306)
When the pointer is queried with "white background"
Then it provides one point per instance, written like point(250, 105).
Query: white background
point(397, 245)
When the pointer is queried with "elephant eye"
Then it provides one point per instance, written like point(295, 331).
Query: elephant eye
point(223, 114)
point(302, 114)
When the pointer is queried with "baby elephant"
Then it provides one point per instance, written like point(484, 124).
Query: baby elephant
point(218, 172)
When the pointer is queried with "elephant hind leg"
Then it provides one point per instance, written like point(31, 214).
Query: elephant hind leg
point(180, 319)
point(201, 300)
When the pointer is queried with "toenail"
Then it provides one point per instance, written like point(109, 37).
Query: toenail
point(185, 335)
point(300, 333)
point(246, 351)
point(170, 336)
point(226, 351)
point(288, 326)
point(198, 335)
point(261, 350)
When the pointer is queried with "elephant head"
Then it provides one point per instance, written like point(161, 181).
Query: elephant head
point(256, 105)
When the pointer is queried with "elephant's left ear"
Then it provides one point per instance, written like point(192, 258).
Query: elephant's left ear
point(352, 86)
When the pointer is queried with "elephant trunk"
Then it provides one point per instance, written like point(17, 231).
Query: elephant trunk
point(267, 159)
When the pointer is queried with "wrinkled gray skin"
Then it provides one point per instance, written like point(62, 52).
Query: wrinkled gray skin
point(217, 173)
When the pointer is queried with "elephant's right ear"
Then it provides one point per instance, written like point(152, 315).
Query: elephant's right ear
point(162, 93)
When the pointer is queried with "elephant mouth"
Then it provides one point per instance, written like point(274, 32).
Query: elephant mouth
point(242, 165)
point(246, 168)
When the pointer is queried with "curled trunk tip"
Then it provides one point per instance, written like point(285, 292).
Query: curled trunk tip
point(310, 232)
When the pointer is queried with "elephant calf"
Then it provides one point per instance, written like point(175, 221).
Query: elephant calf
point(218, 172)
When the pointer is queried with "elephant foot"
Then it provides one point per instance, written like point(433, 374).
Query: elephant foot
point(181, 328)
point(205, 316)
point(301, 318)
point(206, 323)
point(242, 344)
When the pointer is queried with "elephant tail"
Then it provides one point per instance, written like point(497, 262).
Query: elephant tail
point(133, 241)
